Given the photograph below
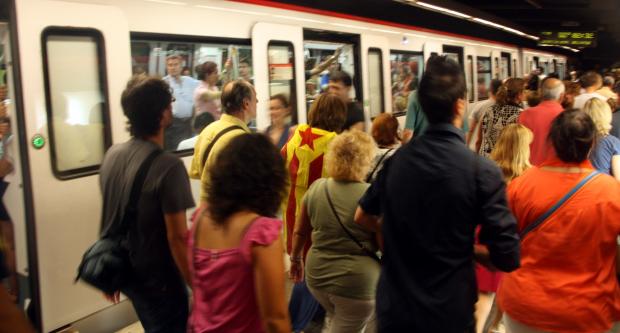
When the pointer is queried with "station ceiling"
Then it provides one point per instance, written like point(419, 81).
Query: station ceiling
point(529, 16)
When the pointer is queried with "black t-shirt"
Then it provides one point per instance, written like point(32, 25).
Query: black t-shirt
point(166, 190)
point(432, 194)
point(355, 114)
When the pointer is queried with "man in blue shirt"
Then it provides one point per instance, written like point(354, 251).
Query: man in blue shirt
point(432, 194)
point(183, 106)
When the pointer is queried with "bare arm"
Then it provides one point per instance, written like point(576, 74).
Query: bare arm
point(366, 220)
point(323, 66)
point(303, 228)
point(176, 231)
point(269, 286)
point(615, 166)
point(210, 95)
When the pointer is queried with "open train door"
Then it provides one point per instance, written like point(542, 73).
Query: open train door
point(75, 62)
point(375, 72)
point(278, 56)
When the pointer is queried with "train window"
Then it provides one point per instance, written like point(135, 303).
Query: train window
point(77, 106)
point(196, 69)
point(406, 71)
point(470, 78)
point(505, 65)
point(282, 107)
point(320, 59)
point(375, 81)
point(483, 65)
point(454, 52)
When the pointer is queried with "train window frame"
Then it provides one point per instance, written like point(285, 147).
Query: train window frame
point(489, 71)
point(381, 83)
point(506, 55)
point(292, 99)
point(137, 36)
point(422, 65)
point(99, 40)
point(455, 49)
point(470, 65)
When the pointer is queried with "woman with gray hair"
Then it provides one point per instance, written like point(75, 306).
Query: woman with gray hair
point(342, 268)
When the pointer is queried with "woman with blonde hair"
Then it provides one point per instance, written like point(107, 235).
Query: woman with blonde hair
point(342, 268)
point(605, 155)
point(512, 155)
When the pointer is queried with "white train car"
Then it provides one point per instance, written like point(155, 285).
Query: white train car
point(68, 62)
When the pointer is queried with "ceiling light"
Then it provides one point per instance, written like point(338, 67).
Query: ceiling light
point(167, 2)
point(442, 9)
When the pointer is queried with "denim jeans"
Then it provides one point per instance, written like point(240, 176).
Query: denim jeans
point(162, 307)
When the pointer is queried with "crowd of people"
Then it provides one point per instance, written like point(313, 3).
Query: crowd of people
point(323, 225)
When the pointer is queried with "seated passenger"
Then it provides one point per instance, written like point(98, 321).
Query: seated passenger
point(235, 244)
point(431, 196)
point(385, 132)
point(207, 95)
point(567, 281)
point(340, 274)
point(506, 110)
point(605, 155)
point(280, 111)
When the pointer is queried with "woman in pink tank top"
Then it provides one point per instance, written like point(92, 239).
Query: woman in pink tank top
point(236, 252)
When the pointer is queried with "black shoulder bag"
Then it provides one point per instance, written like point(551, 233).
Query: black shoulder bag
point(366, 250)
point(106, 264)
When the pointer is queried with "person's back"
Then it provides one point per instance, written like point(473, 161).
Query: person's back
point(573, 247)
point(427, 282)
point(235, 247)
point(538, 119)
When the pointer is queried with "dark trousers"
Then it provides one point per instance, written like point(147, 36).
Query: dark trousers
point(180, 130)
point(161, 309)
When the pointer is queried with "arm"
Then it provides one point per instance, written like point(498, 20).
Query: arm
point(615, 166)
point(472, 130)
point(498, 226)
point(209, 95)
point(269, 286)
point(303, 228)
point(368, 221)
point(323, 66)
point(176, 231)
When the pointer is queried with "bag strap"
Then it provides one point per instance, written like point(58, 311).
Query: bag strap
point(217, 137)
point(555, 207)
point(372, 173)
point(364, 248)
point(131, 211)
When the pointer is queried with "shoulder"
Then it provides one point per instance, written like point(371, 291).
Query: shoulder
point(607, 186)
point(263, 231)
point(316, 185)
point(168, 161)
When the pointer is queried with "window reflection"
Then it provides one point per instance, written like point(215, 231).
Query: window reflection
point(484, 77)
point(406, 71)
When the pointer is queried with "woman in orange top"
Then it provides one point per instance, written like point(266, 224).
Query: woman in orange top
point(567, 280)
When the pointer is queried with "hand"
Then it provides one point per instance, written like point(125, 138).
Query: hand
point(338, 51)
point(114, 297)
point(407, 135)
point(482, 256)
point(228, 63)
point(297, 271)
point(6, 167)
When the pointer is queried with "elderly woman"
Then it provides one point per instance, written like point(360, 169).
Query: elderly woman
point(342, 269)
point(567, 280)
point(605, 156)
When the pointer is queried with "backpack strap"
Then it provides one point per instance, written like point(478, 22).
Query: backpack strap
point(558, 204)
point(217, 137)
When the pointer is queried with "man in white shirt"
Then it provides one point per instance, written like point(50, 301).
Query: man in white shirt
point(478, 110)
point(590, 82)
point(183, 105)
point(606, 91)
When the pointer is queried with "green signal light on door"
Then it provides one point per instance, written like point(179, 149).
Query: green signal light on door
point(38, 141)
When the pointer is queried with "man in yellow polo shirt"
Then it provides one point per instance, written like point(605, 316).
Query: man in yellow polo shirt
point(239, 107)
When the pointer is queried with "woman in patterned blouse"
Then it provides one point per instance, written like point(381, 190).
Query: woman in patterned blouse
point(506, 111)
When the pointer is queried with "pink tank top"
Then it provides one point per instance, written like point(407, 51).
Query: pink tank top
point(223, 282)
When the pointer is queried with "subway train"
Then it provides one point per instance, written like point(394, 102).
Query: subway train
point(67, 63)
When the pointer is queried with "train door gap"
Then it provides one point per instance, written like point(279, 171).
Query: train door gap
point(322, 44)
point(455, 53)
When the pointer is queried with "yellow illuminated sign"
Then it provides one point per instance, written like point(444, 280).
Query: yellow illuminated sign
point(568, 38)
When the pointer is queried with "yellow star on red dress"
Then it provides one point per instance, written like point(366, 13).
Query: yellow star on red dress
point(307, 138)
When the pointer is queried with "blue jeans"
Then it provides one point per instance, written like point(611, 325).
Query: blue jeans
point(162, 308)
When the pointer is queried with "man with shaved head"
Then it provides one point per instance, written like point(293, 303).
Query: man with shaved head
point(538, 119)
point(239, 108)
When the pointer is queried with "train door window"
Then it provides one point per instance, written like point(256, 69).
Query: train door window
point(406, 70)
point(505, 65)
point(514, 68)
point(561, 70)
point(328, 51)
point(282, 110)
point(375, 81)
point(469, 69)
point(483, 65)
point(77, 106)
point(196, 69)
point(454, 52)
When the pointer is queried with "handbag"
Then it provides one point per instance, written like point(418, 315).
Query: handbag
point(106, 264)
point(366, 250)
